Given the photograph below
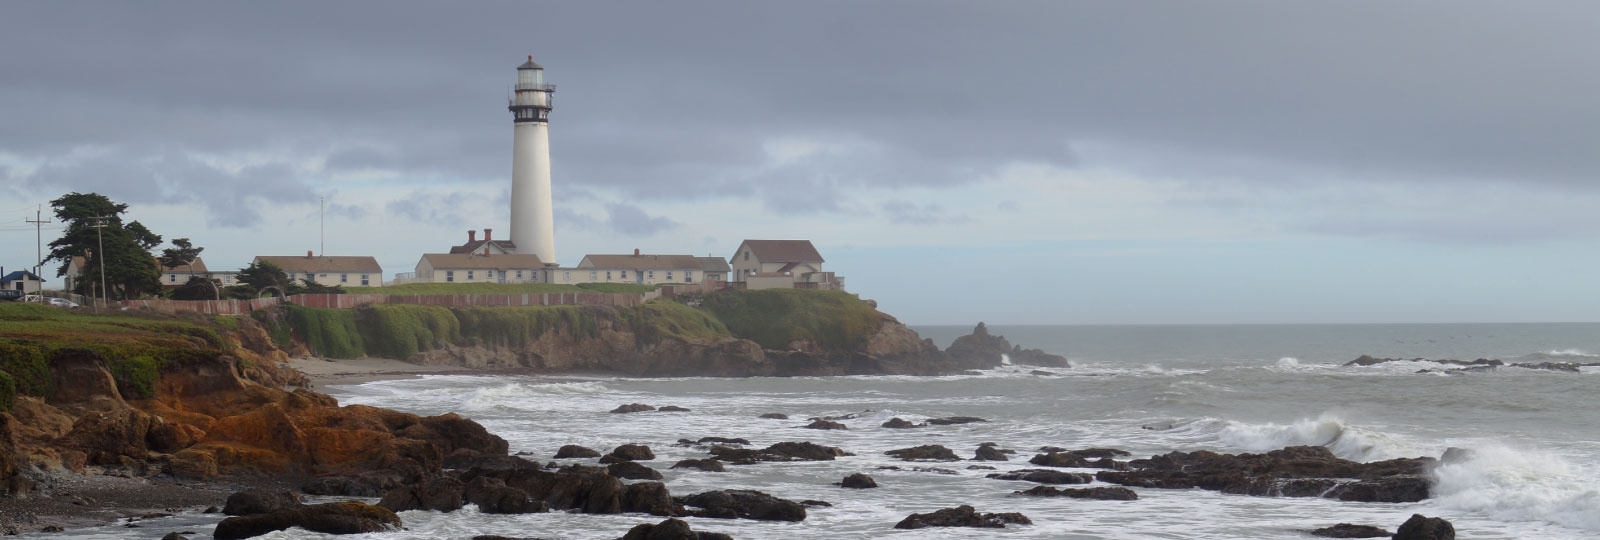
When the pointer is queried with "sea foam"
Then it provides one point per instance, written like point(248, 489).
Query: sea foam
point(1517, 485)
point(1344, 440)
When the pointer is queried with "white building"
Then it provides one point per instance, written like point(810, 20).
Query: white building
point(767, 264)
point(638, 268)
point(495, 247)
point(22, 280)
point(173, 277)
point(349, 271)
point(479, 268)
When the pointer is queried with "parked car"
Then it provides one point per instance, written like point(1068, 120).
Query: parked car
point(61, 302)
point(7, 295)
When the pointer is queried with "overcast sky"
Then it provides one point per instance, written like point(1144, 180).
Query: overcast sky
point(1013, 162)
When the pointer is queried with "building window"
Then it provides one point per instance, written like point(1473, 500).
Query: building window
point(747, 255)
point(652, 274)
point(608, 275)
point(171, 278)
point(469, 275)
point(566, 276)
point(449, 276)
point(364, 281)
point(594, 274)
point(669, 275)
point(322, 275)
point(624, 274)
point(688, 277)
point(519, 275)
point(489, 274)
point(344, 278)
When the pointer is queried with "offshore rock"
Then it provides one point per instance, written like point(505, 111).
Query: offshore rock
point(775, 416)
point(1420, 527)
point(259, 501)
point(671, 529)
point(857, 481)
point(984, 348)
point(650, 498)
point(575, 451)
point(1296, 471)
point(990, 453)
point(672, 408)
point(631, 470)
point(1347, 530)
point(954, 420)
point(783, 451)
point(747, 504)
point(708, 465)
point(824, 424)
point(330, 518)
point(629, 452)
point(1043, 476)
point(899, 423)
point(493, 496)
point(927, 452)
point(632, 408)
point(962, 516)
point(442, 494)
point(1101, 493)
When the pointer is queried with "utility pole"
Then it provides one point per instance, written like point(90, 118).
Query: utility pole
point(322, 227)
point(38, 222)
point(99, 234)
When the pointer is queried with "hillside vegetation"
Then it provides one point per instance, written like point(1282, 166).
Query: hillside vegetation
point(134, 346)
point(400, 331)
point(502, 288)
point(775, 318)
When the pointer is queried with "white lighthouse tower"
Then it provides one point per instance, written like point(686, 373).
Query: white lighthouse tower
point(532, 223)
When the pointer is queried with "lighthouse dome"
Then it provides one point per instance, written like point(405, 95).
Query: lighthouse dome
point(530, 64)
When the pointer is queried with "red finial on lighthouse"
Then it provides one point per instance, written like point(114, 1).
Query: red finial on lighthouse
point(530, 58)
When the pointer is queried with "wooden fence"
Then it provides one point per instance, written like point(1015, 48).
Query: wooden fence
point(348, 301)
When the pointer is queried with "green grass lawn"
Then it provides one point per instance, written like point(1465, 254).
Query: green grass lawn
point(502, 288)
point(774, 318)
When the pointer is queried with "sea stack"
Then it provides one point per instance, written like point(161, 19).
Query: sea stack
point(532, 221)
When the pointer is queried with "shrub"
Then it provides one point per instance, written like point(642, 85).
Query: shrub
point(661, 319)
point(28, 367)
point(8, 392)
point(136, 377)
point(400, 331)
point(329, 332)
point(774, 318)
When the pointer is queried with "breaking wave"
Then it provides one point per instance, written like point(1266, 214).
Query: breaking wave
point(1516, 485)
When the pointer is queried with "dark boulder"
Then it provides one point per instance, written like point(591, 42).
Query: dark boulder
point(708, 465)
point(954, 420)
point(990, 453)
point(1043, 476)
point(672, 408)
point(371, 484)
point(330, 518)
point(632, 408)
point(650, 498)
point(748, 504)
point(1420, 527)
point(900, 423)
point(633, 471)
point(443, 495)
point(927, 452)
point(671, 529)
point(259, 501)
point(1090, 453)
point(1101, 493)
point(722, 440)
point(858, 481)
point(1296, 471)
point(575, 451)
point(775, 416)
point(591, 490)
point(824, 424)
point(1347, 530)
point(981, 349)
point(628, 452)
point(804, 451)
point(465, 458)
point(962, 516)
point(169, 536)
point(1059, 459)
point(493, 496)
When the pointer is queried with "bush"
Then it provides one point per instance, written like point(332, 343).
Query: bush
point(661, 319)
point(400, 331)
point(8, 392)
point(331, 333)
point(136, 377)
point(774, 318)
point(28, 368)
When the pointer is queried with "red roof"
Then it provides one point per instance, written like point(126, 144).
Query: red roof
point(782, 250)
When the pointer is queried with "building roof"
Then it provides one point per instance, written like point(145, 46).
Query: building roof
point(476, 246)
point(530, 64)
point(714, 264)
point(20, 275)
point(474, 260)
point(199, 266)
point(79, 261)
point(301, 263)
point(783, 250)
point(643, 262)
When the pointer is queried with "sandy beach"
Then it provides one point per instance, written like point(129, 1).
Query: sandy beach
point(324, 372)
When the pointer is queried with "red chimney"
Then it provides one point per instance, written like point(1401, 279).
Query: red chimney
point(486, 247)
point(308, 254)
point(636, 252)
point(488, 235)
point(472, 236)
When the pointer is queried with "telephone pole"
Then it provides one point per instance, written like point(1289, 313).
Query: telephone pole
point(38, 222)
point(99, 234)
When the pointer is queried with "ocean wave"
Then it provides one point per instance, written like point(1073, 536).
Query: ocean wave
point(1518, 485)
point(1347, 441)
point(1288, 361)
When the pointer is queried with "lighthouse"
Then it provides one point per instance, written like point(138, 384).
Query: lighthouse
point(532, 223)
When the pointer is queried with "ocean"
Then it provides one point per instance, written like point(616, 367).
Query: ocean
point(1145, 389)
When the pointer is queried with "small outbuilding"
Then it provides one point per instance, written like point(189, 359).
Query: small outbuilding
point(22, 280)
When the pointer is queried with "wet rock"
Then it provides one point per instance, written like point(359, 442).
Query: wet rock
point(628, 452)
point(954, 420)
point(858, 481)
point(927, 452)
point(575, 451)
point(1042, 373)
point(1296, 471)
point(784, 451)
point(671, 529)
point(824, 424)
point(493, 496)
point(1347, 530)
point(982, 349)
point(708, 465)
point(1043, 476)
point(650, 498)
point(990, 453)
point(1091, 453)
point(962, 516)
point(816, 503)
point(632, 408)
point(748, 504)
point(1420, 527)
point(1101, 493)
point(1059, 459)
point(443, 495)
point(633, 471)
point(169, 536)
point(468, 459)
point(775, 416)
point(259, 501)
point(719, 440)
point(980, 468)
point(900, 423)
point(1456, 455)
point(330, 518)
point(672, 408)
point(371, 484)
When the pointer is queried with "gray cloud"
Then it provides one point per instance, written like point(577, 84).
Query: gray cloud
point(447, 209)
point(633, 221)
point(909, 213)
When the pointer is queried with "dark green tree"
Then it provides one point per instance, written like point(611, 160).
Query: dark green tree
point(184, 253)
point(263, 276)
point(130, 270)
point(198, 288)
